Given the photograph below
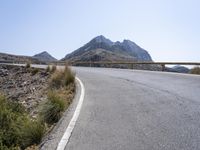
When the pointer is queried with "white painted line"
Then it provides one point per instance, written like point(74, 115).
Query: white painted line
point(65, 139)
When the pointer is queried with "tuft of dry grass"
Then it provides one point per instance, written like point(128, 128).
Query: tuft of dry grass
point(53, 69)
point(28, 65)
point(62, 78)
point(48, 69)
point(53, 109)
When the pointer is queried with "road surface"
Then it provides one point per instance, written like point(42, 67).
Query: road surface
point(137, 110)
point(133, 110)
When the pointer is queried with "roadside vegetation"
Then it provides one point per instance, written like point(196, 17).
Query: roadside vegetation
point(28, 65)
point(18, 130)
point(60, 94)
point(195, 70)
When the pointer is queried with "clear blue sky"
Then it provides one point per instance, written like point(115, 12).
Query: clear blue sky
point(168, 29)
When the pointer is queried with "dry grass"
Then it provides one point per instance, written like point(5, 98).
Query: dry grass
point(61, 93)
point(48, 69)
point(62, 78)
point(53, 69)
point(28, 65)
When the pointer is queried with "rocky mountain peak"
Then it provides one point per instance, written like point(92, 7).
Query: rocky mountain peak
point(100, 48)
point(44, 53)
point(102, 39)
point(44, 56)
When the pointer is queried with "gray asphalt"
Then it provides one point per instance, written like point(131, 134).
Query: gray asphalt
point(137, 110)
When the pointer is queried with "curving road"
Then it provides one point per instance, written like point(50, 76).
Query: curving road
point(137, 110)
point(132, 110)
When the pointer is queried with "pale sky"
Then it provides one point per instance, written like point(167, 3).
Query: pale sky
point(168, 29)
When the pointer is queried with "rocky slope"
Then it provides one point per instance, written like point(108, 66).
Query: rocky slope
point(21, 85)
point(44, 56)
point(103, 49)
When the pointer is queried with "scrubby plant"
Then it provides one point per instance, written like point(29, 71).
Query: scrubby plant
point(28, 65)
point(62, 78)
point(195, 70)
point(69, 75)
point(35, 71)
point(48, 69)
point(17, 130)
point(56, 80)
point(53, 108)
point(31, 132)
point(53, 69)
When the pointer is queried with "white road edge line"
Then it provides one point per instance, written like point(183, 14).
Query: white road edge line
point(65, 139)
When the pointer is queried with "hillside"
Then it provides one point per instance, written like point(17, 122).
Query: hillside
point(44, 56)
point(103, 49)
point(17, 58)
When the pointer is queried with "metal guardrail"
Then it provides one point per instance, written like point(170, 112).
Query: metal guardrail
point(162, 64)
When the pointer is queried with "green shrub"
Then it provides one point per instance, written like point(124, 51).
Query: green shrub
point(195, 70)
point(16, 128)
point(28, 65)
point(53, 109)
point(35, 71)
point(31, 133)
point(48, 69)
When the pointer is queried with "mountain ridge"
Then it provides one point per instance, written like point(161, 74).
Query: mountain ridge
point(119, 50)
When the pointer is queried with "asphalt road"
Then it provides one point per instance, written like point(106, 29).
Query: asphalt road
point(137, 110)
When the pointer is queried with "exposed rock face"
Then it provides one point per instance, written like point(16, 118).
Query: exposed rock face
point(44, 56)
point(19, 84)
point(103, 49)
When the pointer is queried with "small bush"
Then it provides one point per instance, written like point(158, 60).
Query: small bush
point(48, 69)
point(28, 65)
point(69, 76)
point(53, 108)
point(17, 130)
point(53, 68)
point(195, 70)
point(62, 78)
point(56, 80)
point(31, 133)
point(35, 71)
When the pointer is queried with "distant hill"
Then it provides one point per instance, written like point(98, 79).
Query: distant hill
point(4, 57)
point(179, 69)
point(45, 57)
point(103, 49)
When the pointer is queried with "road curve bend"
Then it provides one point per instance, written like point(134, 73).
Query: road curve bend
point(137, 110)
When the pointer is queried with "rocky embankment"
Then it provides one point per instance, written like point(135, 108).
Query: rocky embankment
point(24, 85)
